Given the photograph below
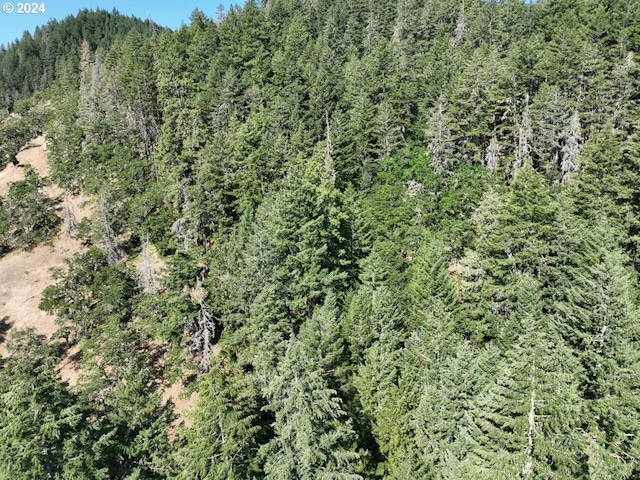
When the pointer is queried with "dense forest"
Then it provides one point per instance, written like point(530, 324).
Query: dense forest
point(33, 63)
point(379, 239)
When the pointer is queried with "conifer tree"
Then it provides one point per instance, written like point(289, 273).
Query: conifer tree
point(378, 340)
point(449, 382)
point(39, 416)
point(129, 423)
point(526, 422)
point(549, 121)
point(606, 184)
point(321, 334)
point(515, 229)
point(89, 293)
point(599, 311)
point(297, 246)
point(571, 150)
point(313, 439)
point(223, 439)
point(430, 282)
point(311, 173)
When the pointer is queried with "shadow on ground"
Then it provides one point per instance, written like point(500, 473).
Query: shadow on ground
point(5, 326)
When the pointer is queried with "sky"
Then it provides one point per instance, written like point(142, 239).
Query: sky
point(170, 13)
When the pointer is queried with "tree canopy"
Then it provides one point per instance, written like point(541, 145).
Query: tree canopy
point(377, 240)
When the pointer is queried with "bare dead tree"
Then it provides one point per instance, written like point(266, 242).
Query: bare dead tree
point(372, 30)
point(414, 188)
point(439, 136)
point(623, 75)
point(145, 126)
point(492, 154)
point(68, 217)
point(85, 55)
point(181, 231)
point(329, 169)
point(571, 149)
point(523, 149)
point(461, 25)
point(108, 238)
point(146, 274)
point(402, 27)
point(391, 130)
point(202, 329)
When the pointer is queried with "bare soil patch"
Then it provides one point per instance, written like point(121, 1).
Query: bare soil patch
point(181, 404)
point(25, 274)
point(23, 277)
point(34, 153)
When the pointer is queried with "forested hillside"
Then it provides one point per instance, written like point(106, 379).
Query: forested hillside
point(379, 239)
point(33, 62)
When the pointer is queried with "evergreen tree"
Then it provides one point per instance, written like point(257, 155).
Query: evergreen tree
point(599, 309)
point(89, 293)
point(398, 241)
point(526, 422)
point(449, 384)
point(515, 236)
point(128, 430)
point(312, 437)
point(431, 285)
point(377, 352)
point(32, 216)
point(321, 334)
point(39, 416)
point(225, 431)
point(606, 185)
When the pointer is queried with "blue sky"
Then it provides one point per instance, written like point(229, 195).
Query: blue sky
point(170, 13)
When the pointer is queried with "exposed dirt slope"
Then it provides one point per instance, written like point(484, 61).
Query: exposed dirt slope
point(25, 274)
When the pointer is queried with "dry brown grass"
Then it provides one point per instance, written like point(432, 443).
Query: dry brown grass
point(25, 274)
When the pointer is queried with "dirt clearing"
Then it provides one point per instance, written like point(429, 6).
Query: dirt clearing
point(25, 274)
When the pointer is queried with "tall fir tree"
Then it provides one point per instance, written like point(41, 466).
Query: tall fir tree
point(527, 421)
point(312, 436)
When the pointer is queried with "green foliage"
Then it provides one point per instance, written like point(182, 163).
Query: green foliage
point(526, 421)
point(313, 439)
point(599, 308)
point(431, 286)
point(89, 293)
point(129, 429)
point(15, 132)
point(321, 334)
point(450, 382)
point(226, 431)
point(29, 215)
point(396, 240)
point(38, 415)
point(515, 230)
point(34, 62)
point(607, 183)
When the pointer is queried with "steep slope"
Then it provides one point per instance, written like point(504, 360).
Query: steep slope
point(32, 63)
point(25, 274)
